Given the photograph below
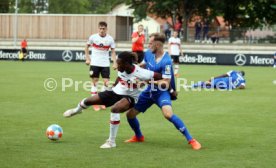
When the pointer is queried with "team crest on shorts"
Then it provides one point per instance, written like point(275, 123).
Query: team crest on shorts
point(91, 73)
point(168, 69)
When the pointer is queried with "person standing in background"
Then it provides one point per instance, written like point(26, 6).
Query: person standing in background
point(138, 41)
point(23, 51)
point(175, 51)
point(166, 29)
point(198, 27)
point(177, 26)
point(99, 61)
point(206, 24)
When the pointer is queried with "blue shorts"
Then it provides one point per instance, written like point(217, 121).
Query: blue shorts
point(221, 83)
point(146, 99)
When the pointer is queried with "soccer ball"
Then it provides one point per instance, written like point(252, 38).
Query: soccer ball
point(54, 132)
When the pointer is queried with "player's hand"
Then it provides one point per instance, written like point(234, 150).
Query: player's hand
point(174, 93)
point(87, 62)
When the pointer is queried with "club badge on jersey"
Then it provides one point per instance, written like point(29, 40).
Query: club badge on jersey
point(168, 70)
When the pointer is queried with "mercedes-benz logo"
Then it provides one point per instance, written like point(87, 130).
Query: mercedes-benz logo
point(240, 59)
point(67, 55)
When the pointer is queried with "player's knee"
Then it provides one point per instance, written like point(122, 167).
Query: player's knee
point(167, 115)
point(167, 112)
point(131, 114)
point(115, 109)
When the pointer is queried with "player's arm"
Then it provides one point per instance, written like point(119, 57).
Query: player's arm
point(135, 37)
point(180, 49)
point(113, 58)
point(170, 46)
point(87, 57)
point(116, 81)
point(164, 83)
point(142, 64)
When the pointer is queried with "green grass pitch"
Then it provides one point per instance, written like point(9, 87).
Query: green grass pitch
point(236, 129)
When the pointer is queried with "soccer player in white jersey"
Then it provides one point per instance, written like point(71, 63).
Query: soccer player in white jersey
point(175, 51)
point(99, 62)
point(123, 95)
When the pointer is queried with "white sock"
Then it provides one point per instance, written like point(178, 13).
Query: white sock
point(81, 106)
point(176, 67)
point(114, 126)
point(93, 90)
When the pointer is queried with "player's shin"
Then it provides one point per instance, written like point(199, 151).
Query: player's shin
point(114, 126)
point(134, 124)
point(179, 124)
point(176, 68)
point(81, 106)
point(93, 90)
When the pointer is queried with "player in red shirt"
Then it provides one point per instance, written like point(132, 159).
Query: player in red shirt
point(24, 46)
point(138, 41)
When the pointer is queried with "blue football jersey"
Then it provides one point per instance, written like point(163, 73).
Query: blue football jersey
point(163, 66)
point(236, 79)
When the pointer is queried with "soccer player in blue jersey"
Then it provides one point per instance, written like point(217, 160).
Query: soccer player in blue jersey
point(158, 61)
point(230, 80)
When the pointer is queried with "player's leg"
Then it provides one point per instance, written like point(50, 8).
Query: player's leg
point(94, 74)
point(176, 65)
point(144, 102)
point(135, 125)
point(105, 73)
point(164, 102)
point(221, 83)
point(107, 98)
point(84, 104)
point(24, 50)
point(121, 106)
point(113, 129)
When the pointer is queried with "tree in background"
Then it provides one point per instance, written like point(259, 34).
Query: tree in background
point(247, 13)
point(5, 6)
point(60, 6)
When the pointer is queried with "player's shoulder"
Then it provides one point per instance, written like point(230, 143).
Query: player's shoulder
point(137, 68)
point(135, 33)
point(167, 58)
point(108, 36)
point(148, 54)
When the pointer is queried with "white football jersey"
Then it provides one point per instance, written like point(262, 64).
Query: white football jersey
point(129, 83)
point(175, 45)
point(100, 49)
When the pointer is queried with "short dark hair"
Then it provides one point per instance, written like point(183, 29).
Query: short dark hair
point(242, 73)
point(102, 23)
point(127, 57)
point(159, 37)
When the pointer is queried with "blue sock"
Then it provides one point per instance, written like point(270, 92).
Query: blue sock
point(134, 124)
point(178, 123)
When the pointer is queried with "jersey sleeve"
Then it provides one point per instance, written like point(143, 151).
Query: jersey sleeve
point(112, 43)
point(167, 69)
point(178, 41)
point(90, 40)
point(143, 74)
point(170, 40)
point(134, 34)
point(146, 54)
point(229, 73)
